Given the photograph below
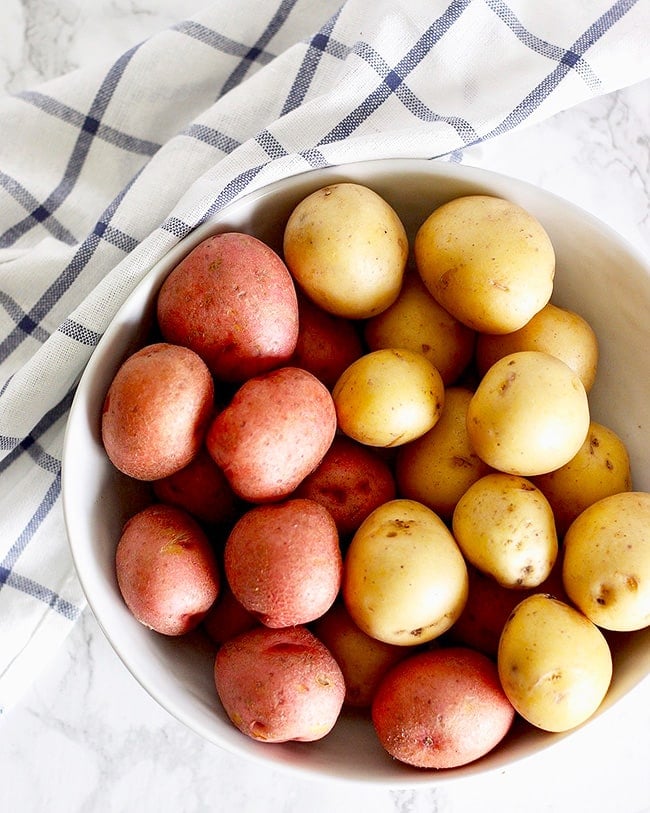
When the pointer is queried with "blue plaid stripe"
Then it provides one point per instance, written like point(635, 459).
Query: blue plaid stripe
point(38, 212)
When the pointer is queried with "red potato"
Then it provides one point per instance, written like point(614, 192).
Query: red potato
point(275, 431)
point(279, 685)
point(283, 562)
point(363, 660)
point(441, 708)
point(156, 411)
point(326, 344)
point(227, 617)
point(233, 301)
point(201, 488)
point(351, 481)
point(166, 569)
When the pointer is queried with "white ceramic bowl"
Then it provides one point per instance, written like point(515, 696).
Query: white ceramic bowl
point(598, 275)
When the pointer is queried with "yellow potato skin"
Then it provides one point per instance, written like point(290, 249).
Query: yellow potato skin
point(404, 578)
point(388, 397)
point(558, 331)
point(346, 248)
point(437, 468)
point(606, 565)
point(505, 527)
point(416, 321)
point(487, 261)
point(529, 414)
point(600, 468)
point(554, 664)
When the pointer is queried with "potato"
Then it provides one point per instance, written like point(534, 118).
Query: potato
point(273, 433)
point(606, 568)
point(438, 467)
point(504, 526)
point(560, 332)
point(441, 709)
point(351, 481)
point(363, 660)
point(601, 467)
point(347, 249)
point(166, 569)
point(227, 617)
point(156, 411)
point(529, 414)
point(279, 685)
point(417, 322)
point(326, 344)
point(201, 488)
point(232, 301)
point(404, 577)
point(283, 562)
point(388, 397)
point(487, 261)
point(555, 666)
point(489, 605)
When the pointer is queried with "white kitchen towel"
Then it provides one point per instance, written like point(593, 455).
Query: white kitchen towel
point(103, 170)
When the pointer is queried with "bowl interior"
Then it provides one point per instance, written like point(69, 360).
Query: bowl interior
point(598, 275)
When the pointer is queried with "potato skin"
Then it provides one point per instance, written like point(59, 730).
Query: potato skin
point(278, 685)
point(156, 411)
point(417, 322)
point(351, 481)
point(363, 660)
point(554, 330)
point(326, 344)
point(606, 566)
point(404, 577)
point(201, 488)
point(232, 301)
point(437, 468)
point(600, 468)
point(347, 249)
point(554, 664)
point(283, 562)
point(273, 433)
point(487, 261)
point(166, 569)
point(441, 709)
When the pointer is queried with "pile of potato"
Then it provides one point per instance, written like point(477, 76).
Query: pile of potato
point(376, 482)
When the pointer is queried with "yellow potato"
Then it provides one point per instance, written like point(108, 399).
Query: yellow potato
point(416, 321)
point(600, 468)
point(504, 526)
point(554, 330)
point(606, 568)
point(404, 578)
point(346, 248)
point(529, 414)
point(388, 397)
point(555, 666)
point(487, 261)
point(437, 468)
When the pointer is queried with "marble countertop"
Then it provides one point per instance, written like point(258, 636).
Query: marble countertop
point(86, 737)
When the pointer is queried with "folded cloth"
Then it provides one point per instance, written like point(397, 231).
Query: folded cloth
point(102, 171)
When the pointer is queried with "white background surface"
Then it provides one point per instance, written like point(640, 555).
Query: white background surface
point(85, 736)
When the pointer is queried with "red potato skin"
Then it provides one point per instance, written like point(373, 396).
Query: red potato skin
point(166, 570)
point(232, 301)
point(274, 432)
point(156, 411)
point(279, 685)
point(227, 618)
point(363, 660)
point(351, 481)
point(201, 488)
point(441, 708)
point(283, 562)
point(326, 345)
